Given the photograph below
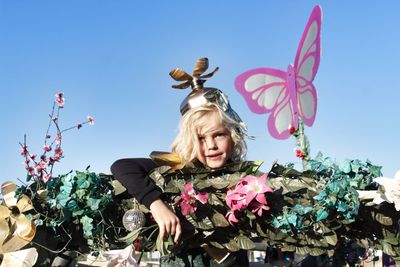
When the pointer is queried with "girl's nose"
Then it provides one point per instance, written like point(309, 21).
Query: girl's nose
point(211, 144)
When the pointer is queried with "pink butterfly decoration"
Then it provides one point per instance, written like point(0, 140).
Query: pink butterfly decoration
point(289, 94)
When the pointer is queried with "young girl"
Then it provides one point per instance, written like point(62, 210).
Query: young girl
point(210, 135)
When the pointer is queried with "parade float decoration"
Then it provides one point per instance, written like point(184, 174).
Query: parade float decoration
point(323, 209)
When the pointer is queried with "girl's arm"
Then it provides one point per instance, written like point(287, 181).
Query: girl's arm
point(132, 173)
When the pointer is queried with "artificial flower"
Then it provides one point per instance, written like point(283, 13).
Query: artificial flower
point(248, 192)
point(255, 187)
point(187, 202)
point(231, 217)
point(16, 230)
point(90, 120)
point(299, 153)
point(60, 100)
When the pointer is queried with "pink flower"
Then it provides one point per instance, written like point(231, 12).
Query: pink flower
point(58, 152)
point(24, 151)
point(255, 187)
point(46, 177)
point(187, 208)
point(249, 192)
point(90, 120)
point(58, 138)
point(47, 148)
point(231, 217)
point(187, 202)
point(235, 200)
point(259, 207)
point(41, 166)
point(31, 171)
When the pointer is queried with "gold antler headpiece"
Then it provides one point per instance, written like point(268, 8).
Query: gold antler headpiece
point(202, 95)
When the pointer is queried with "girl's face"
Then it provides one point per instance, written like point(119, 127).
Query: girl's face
point(214, 141)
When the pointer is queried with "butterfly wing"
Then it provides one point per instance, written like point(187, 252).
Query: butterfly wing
point(306, 67)
point(265, 90)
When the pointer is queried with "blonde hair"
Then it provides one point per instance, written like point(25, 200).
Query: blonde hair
point(186, 142)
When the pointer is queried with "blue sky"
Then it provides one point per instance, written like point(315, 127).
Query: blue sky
point(112, 58)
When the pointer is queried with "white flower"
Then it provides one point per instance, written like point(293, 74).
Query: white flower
point(391, 190)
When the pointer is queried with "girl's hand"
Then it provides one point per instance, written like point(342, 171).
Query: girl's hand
point(166, 219)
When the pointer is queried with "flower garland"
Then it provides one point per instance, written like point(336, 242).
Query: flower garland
point(312, 212)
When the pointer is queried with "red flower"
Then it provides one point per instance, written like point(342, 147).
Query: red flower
point(299, 153)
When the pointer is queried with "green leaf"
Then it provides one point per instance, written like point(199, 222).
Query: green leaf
point(232, 245)
point(93, 203)
point(245, 242)
point(164, 246)
point(216, 244)
point(219, 220)
point(382, 219)
point(214, 200)
point(131, 237)
point(217, 183)
point(331, 239)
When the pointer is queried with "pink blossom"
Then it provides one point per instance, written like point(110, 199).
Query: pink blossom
point(187, 202)
point(58, 152)
point(236, 200)
point(60, 100)
point(255, 187)
point(187, 208)
point(24, 151)
point(31, 170)
point(46, 177)
point(41, 166)
point(90, 120)
point(231, 217)
point(249, 192)
point(58, 138)
point(47, 148)
point(33, 156)
point(259, 207)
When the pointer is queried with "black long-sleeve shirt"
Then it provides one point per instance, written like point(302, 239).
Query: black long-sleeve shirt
point(132, 173)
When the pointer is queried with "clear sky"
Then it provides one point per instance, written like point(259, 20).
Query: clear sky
point(112, 58)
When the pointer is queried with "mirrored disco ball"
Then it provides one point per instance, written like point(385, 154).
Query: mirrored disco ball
point(133, 219)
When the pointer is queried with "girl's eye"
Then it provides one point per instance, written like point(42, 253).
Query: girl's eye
point(201, 138)
point(221, 135)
